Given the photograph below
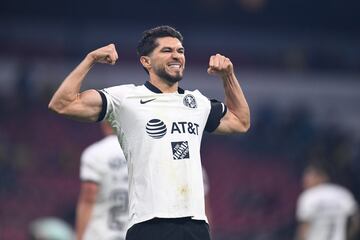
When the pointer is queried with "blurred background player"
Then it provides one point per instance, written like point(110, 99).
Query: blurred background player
point(325, 211)
point(102, 210)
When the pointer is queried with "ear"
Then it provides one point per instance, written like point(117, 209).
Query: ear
point(146, 62)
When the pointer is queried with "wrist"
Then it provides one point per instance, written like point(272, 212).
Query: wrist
point(90, 59)
point(226, 76)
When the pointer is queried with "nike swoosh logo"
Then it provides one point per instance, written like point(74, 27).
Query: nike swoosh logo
point(146, 101)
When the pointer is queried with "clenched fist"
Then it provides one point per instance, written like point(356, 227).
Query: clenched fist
point(105, 54)
point(220, 65)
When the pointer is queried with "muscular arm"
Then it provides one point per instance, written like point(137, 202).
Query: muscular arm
point(84, 208)
point(237, 118)
point(84, 106)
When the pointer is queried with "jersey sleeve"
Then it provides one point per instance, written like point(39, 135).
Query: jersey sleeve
point(304, 209)
point(103, 107)
point(89, 170)
point(206, 182)
point(112, 100)
point(351, 206)
point(217, 111)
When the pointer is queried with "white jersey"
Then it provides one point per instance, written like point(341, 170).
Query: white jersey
point(326, 208)
point(160, 134)
point(104, 163)
point(206, 182)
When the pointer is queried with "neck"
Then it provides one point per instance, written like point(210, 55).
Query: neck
point(163, 85)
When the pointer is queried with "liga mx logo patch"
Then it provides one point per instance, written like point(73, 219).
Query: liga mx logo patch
point(180, 150)
point(156, 128)
point(189, 101)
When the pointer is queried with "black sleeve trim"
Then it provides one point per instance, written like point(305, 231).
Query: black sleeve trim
point(224, 109)
point(103, 108)
point(218, 110)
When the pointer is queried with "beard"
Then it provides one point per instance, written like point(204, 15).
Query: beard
point(161, 72)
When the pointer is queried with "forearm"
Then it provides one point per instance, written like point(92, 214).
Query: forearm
point(299, 236)
point(302, 231)
point(83, 214)
point(69, 90)
point(353, 226)
point(235, 99)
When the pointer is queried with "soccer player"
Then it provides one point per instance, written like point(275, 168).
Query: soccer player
point(102, 210)
point(159, 126)
point(325, 211)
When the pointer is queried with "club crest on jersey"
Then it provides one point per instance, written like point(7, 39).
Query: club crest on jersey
point(189, 101)
point(156, 128)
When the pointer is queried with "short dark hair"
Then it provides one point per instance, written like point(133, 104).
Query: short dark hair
point(320, 167)
point(148, 42)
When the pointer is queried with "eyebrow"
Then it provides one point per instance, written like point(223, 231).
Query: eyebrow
point(170, 48)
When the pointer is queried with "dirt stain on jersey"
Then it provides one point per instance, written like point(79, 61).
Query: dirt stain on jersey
point(184, 191)
point(182, 198)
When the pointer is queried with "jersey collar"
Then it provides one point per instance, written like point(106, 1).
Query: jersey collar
point(154, 89)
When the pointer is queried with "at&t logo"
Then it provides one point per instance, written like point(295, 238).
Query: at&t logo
point(156, 128)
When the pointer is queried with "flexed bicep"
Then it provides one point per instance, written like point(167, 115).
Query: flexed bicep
point(237, 118)
point(86, 106)
point(230, 124)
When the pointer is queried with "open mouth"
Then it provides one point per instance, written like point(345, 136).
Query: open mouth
point(174, 66)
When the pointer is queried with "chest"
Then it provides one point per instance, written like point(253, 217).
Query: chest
point(173, 113)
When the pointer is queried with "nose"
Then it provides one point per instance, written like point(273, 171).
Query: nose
point(175, 55)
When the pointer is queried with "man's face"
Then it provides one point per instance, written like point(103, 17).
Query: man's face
point(312, 178)
point(168, 59)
